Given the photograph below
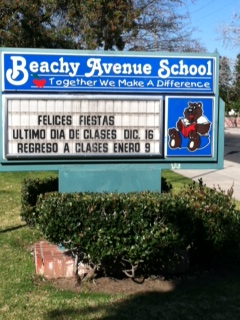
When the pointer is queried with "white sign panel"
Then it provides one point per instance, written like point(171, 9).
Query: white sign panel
point(82, 126)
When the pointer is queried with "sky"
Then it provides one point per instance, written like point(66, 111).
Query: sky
point(207, 16)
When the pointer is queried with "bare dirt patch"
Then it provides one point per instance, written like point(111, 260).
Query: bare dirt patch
point(197, 278)
point(115, 286)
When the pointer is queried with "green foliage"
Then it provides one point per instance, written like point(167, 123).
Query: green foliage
point(93, 25)
point(232, 98)
point(235, 106)
point(142, 230)
point(130, 230)
point(23, 295)
point(166, 186)
point(72, 24)
point(135, 233)
point(211, 222)
point(31, 189)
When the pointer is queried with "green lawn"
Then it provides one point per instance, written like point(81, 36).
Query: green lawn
point(24, 296)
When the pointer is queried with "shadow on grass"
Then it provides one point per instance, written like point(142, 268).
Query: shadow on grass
point(210, 297)
point(13, 228)
point(148, 306)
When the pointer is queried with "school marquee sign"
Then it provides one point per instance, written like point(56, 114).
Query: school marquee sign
point(63, 107)
point(100, 73)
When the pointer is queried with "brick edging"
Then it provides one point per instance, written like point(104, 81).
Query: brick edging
point(51, 262)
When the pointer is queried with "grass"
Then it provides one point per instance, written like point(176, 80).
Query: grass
point(176, 180)
point(25, 296)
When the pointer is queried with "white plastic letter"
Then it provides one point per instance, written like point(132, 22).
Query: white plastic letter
point(163, 64)
point(209, 63)
point(18, 66)
point(95, 64)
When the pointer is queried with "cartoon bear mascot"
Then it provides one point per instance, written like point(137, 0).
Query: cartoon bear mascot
point(192, 127)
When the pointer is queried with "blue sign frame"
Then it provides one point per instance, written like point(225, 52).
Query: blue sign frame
point(66, 71)
point(180, 78)
point(178, 128)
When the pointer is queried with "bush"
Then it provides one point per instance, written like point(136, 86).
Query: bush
point(135, 233)
point(235, 106)
point(120, 232)
point(31, 189)
point(211, 222)
point(165, 185)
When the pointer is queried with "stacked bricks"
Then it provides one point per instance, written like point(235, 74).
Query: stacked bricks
point(51, 262)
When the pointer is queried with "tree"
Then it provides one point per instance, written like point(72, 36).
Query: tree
point(101, 24)
point(235, 105)
point(162, 27)
point(229, 83)
point(225, 81)
point(237, 74)
point(84, 24)
point(24, 24)
point(230, 32)
point(96, 24)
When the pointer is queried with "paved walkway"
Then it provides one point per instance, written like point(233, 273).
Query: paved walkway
point(225, 178)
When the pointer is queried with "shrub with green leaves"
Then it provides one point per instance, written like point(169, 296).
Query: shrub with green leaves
point(122, 232)
point(31, 189)
point(211, 221)
point(136, 233)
